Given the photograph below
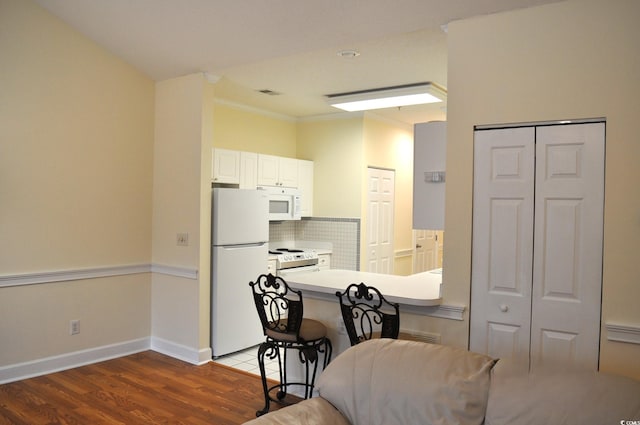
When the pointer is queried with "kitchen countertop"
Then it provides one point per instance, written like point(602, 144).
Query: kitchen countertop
point(420, 289)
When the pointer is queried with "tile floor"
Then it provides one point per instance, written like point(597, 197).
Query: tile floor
point(247, 360)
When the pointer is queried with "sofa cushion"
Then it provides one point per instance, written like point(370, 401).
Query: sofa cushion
point(386, 381)
point(314, 411)
point(561, 398)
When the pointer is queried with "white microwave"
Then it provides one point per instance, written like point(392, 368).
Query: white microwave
point(284, 203)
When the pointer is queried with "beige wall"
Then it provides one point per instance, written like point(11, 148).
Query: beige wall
point(388, 145)
point(336, 147)
point(342, 149)
point(76, 152)
point(239, 128)
point(182, 203)
point(574, 59)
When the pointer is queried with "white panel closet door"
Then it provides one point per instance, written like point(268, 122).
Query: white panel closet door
point(537, 274)
point(567, 277)
point(502, 243)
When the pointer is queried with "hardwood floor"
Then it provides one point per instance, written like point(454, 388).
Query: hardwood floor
point(144, 388)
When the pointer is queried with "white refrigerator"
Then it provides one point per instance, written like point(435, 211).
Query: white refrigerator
point(240, 234)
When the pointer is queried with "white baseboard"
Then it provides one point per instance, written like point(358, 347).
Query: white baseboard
point(181, 352)
point(53, 364)
point(30, 369)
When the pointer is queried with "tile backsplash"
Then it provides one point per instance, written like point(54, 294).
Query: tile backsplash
point(343, 233)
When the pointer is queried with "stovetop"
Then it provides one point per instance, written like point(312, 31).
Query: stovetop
point(291, 257)
point(279, 251)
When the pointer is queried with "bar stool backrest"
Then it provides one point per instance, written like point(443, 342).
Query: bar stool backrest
point(367, 314)
point(279, 307)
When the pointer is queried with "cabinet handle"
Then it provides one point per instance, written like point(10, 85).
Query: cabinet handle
point(504, 308)
point(418, 246)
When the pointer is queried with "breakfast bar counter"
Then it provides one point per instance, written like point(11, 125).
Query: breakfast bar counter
point(420, 289)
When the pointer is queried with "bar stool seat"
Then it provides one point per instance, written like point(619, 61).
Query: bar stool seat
point(280, 309)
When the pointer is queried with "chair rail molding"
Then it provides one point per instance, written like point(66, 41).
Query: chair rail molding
point(95, 272)
point(623, 333)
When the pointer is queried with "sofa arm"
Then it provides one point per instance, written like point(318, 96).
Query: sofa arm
point(313, 411)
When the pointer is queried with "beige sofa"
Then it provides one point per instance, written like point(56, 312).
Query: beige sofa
point(389, 382)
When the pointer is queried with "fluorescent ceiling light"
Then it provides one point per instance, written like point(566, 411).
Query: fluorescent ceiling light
point(388, 97)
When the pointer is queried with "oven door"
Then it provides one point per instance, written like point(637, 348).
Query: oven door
point(304, 269)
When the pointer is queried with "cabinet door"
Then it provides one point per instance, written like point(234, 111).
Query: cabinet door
point(226, 166)
point(248, 170)
point(268, 166)
point(305, 184)
point(288, 172)
point(277, 171)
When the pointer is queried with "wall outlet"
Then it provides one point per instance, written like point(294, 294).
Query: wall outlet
point(182, 239)
point(74, 327)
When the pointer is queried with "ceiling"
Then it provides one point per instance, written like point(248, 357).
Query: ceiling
point(287, 46)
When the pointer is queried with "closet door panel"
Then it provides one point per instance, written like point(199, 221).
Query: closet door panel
point(502, 242)
point(567, 278)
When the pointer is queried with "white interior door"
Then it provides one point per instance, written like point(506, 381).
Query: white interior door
point(567, 272)
point(502, 247)
point(380, 214)
point(536, 273)
point(426, 249)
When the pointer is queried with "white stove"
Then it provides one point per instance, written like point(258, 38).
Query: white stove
point(290, 260)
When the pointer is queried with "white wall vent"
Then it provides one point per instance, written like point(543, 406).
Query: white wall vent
point(413, 335)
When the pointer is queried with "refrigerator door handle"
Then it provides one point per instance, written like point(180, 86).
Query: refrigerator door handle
point(244, 245)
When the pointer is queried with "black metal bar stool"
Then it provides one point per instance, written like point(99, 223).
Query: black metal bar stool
point(367, 314)
point(280, 309)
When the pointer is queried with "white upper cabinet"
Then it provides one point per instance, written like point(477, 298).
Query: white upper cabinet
point(248, 170)
point(305, 184)
point(277, 171)
point(226, 166)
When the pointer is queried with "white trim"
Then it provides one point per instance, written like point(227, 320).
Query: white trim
point(623, 333)
point(181, 352)
point(67, 275)
point(253, 109)
point(403, 253)
point(342, 115)
point(539, 123)
point(66, 361)
point(175, 271)
point(96, 272)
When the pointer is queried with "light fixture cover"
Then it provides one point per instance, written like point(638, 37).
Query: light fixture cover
point(388, 97)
